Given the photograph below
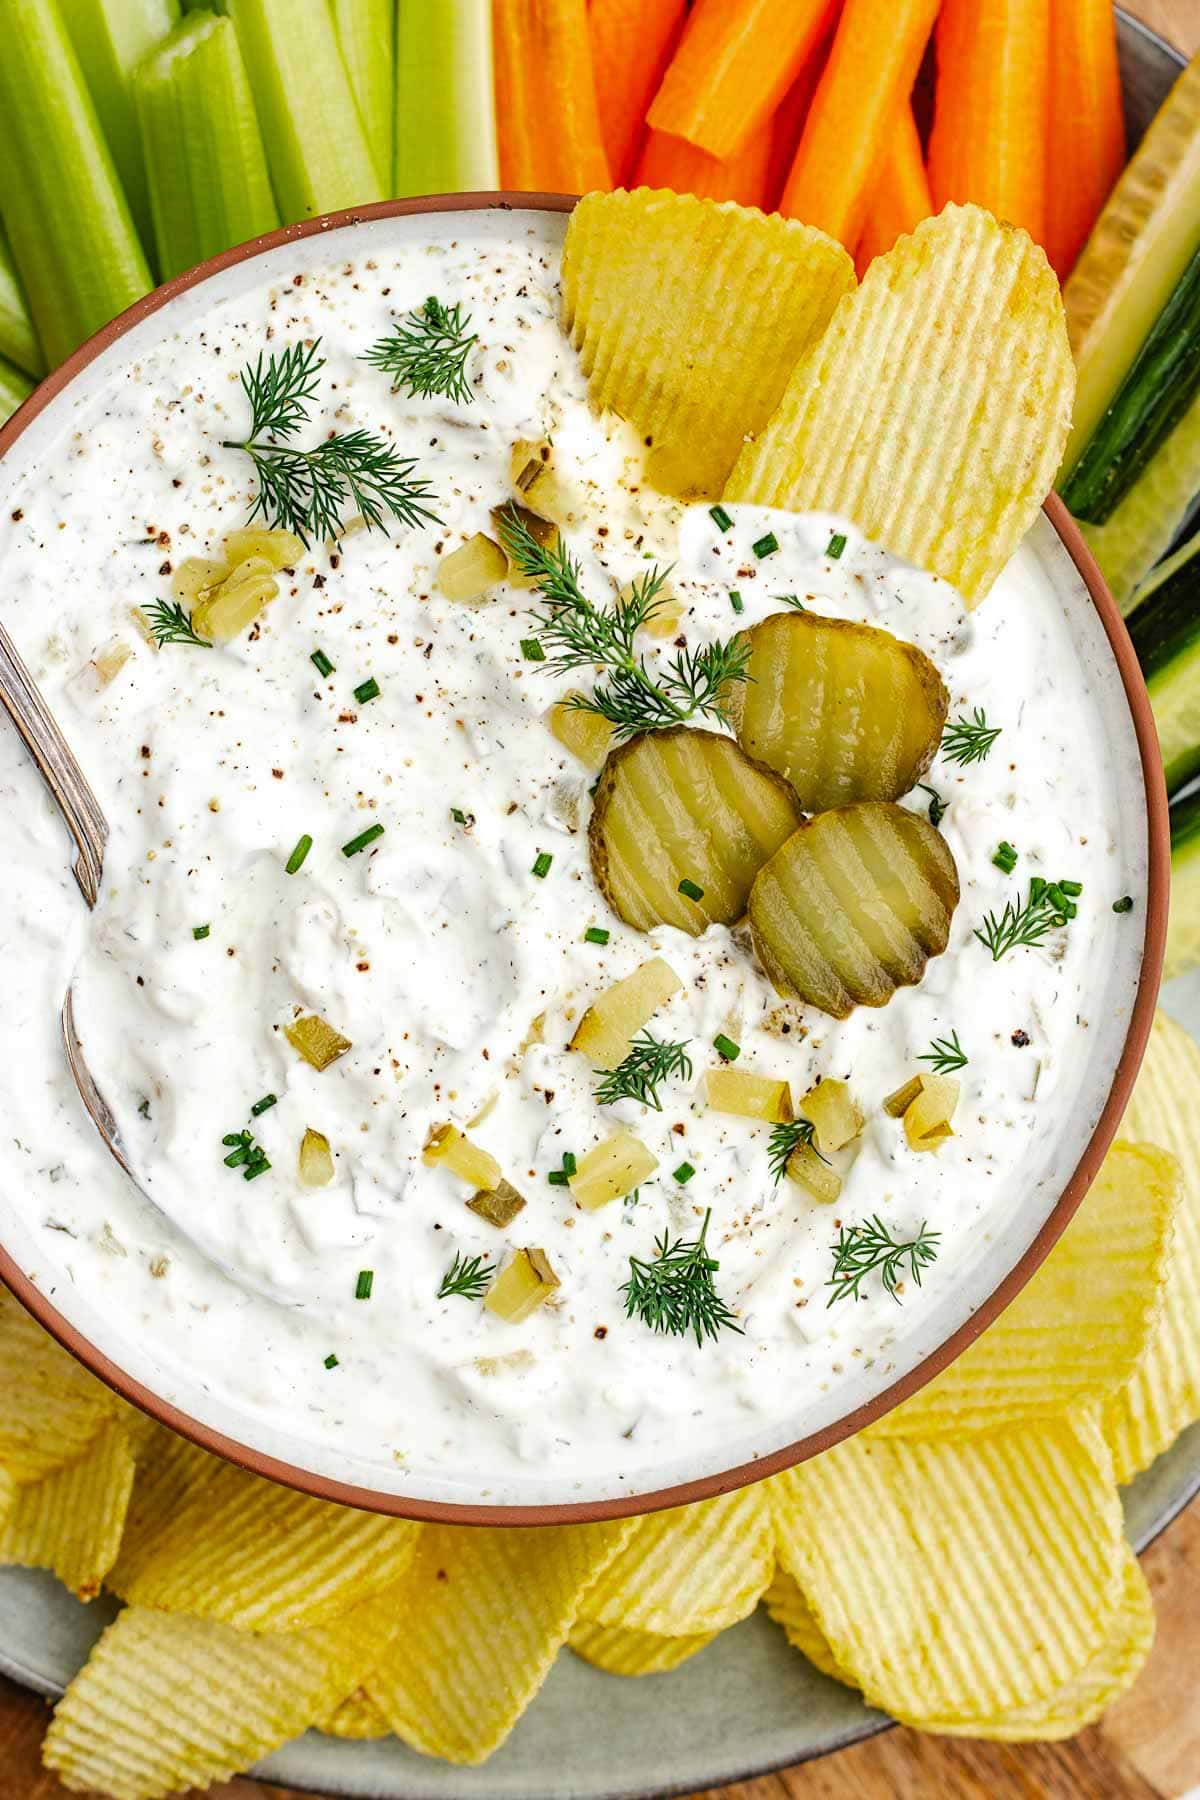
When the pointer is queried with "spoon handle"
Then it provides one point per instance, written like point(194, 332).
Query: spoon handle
point(68, 785)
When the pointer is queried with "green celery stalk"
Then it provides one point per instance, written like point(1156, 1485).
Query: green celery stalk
point(68, 221)
point(14, 387)
point(18, 339)
point(316, 146)
point(209, 186)
point(110, 37)
point(445, 109)
point(366, 34)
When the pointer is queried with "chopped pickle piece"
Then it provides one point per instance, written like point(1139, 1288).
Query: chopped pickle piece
point(317, 1042)
point(844, 711)
point(608, 1027)
point(279, 549)
point(225, 611)
point(668, 611)
point(499, 1205)
point(541, 531)
point(833, 1115)
point(853, 906)
point(540, 484)
point(897, 1104)
point(612, 1170)
point(585, 734)
point(521, 1286)
point(316, 1159)
point(750, 1096)
point(197, 576)
point(447, 1145)
point(473, 569)
point(927, 1118)
point(685, 805)
point(110, 661)
point(806, 1167)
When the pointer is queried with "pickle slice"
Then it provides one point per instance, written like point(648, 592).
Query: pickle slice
point(682, 822)
point(853, 906)
point(844, 711)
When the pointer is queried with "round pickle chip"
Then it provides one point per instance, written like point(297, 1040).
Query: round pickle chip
point(853, 906)
point(843, 711)
point(683, 821)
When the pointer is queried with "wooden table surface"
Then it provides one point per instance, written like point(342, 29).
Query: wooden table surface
point(1147, 1747)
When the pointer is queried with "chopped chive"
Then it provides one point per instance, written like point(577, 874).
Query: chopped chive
point(736, 601)
point(1037, 888)
point(541, 864)
point(321, 662)
point(836, 545)
point(258, 1167)
point(569, 1163)
point(264, 1105)
point(364, 1284)
point(765, 545)
point(1055, 895)
point(331, 1362)
point(1005, 857)
point(362, 840)
point(1124, 904)
point(1069, 909)
point(1072, 888)
point(690, 890)
point(684, 1173)
point(557, 1178)
point(532, 651)
point(367, 690)
point(596, 934)
point(720, 518)
point(200, 931)
point(458, 815)
point(726, 1047)
point(303, 846)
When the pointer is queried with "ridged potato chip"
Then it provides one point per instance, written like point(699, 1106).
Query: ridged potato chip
point(1162, 1396)
point(72, 1519)
point(485, 1614)
point(957, 1581)
point(935, 409)
point(786, 1604)
point(689, 317)
point(1079, 1328)
point(52, 1406)
point(619, 1651)
point(357, 1717)
point(168, 1470)
point(690, 1569)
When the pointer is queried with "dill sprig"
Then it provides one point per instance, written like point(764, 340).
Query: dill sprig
point(969, 740)
point(305, 491)
point(469, 1276)
point(937, 806)
point(427, 353)
point(861, 1249)
point(946, 1054)
point(172, 625)
point(674, 1293)
point(574, 634)
point(783, 1140)
point(1023, 925)
point(650, 1062)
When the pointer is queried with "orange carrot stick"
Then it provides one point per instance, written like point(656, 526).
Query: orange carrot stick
point(632, 41)
point(870, 74)
point(789, 121)
point(1086, 149)
point(671, 162)
point(546, 116)
point(990, 108)
point(900, 196)
point(735, 62)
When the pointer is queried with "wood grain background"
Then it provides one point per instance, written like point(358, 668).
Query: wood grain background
point(1146, 1748)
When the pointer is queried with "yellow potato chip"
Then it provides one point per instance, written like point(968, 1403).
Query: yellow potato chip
point(168, 1470)
point(689, 316)
point(957, 1581)
point(248, 1553)
point(787, 1606)
point(50, 1407)
point(485, 1614)
point(357, 1717)
point(1162, 1396)
point(1076, 1331)
point(934, 411)
point(620, 1651)
point(691, 1569)
point(72, 1519)
point(167, 1702)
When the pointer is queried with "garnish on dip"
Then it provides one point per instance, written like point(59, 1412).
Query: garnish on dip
point(245, 1154)
point(861, 1249)
point(427, 352)
point(1050, 905)
point(468, 1277)
point(650, 1062)
point(674, 1293)
point(969, 740)
point(946, 1054)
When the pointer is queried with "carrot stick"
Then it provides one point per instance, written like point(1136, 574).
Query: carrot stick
point(900, 196)
point(990, 108)
point(671, 162)
point(789, 121)
point(546, 115)
point(735, 62)
point(1086, 150)
point(870, 74)
point(632, 41)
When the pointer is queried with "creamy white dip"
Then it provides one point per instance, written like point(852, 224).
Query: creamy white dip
point(435, 948)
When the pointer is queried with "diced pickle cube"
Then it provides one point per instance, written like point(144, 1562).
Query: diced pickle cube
point(473, 569)
point(316, 1159)
point(447, 1145)
point(539, 483)
point(196, 576)
point(499, 1205)
point(685, 806)
point(585, 734)
point(833, 1115)
point(806, 1167)
point(317, 1042)
point(749, 1096)
point(853, 906)
point(225, 612)
point(845, 711)
point(927, 1119)
point(543, 533)
point(610, 1023)
point(109, 662)
point(522, 1286)
point(898, 1103)
point(279, 549)
point(612, 1170)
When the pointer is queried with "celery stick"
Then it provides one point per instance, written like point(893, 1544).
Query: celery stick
point(445, 111)
point(209, 186)
point(18, 339)
point(316, 146)
point(110, 37)
point(14, 387)
point(365, 31)
point(72, 235)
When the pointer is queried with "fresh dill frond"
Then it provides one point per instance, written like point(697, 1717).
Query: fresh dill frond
point(650, 1062)
point(784, 1139)
point(172, 625)
point(278, 388)
point(469, 1276)
point(1022, 926)
point(946, 1054)
point(861, 1249)
point(427, 353)
point(674, 1293)
point(969, 740)
point(794, 601)
point(937, 806)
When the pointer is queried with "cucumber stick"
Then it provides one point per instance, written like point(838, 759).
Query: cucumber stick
point(1144, 525)
point(110, 37)
point(18, 339)
point(1143, 241)
point(445, 112)
point(72, 235)
point(14, 387)
point(1165, 628)
point(209, 186)
point(1183, 924)
point(316, 146)
point(366, 33)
